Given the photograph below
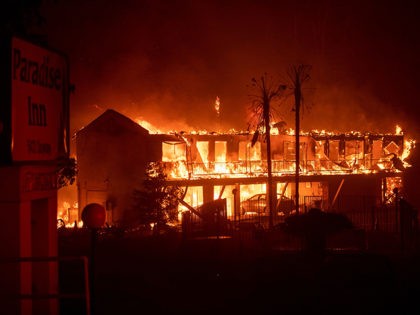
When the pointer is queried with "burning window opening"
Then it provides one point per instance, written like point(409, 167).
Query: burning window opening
point(320, 154)
point(392, 184)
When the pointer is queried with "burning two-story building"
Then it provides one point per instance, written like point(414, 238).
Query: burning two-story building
point(350, 172)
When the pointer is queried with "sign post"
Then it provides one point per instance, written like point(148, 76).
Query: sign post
point(34, 124)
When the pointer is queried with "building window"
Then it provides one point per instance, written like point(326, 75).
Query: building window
point(173, 151)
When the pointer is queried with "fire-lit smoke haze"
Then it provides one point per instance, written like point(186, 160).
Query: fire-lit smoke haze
point(167, 61)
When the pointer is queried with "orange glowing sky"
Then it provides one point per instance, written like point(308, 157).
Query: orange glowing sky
point(167, 61)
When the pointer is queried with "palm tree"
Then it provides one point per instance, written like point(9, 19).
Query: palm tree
point(298, 75)
point(266, 92)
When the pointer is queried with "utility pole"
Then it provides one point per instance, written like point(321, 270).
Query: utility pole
point(270, 196)
point(298, 97)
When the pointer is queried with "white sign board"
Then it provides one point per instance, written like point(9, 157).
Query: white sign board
point(39, 102)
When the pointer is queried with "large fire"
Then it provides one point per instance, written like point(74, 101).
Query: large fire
point(350, 153)
point(200, 155)
point(362, 155)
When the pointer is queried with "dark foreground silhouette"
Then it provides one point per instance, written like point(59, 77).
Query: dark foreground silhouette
point(168, 275)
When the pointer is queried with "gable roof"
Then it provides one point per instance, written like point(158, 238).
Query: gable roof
point(112, 121)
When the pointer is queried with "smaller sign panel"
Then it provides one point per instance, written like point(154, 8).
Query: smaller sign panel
point(39, 102)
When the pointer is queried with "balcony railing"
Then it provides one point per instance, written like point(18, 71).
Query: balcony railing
point(190, 170)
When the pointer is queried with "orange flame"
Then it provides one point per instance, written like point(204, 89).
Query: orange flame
point(147, 125)
point(68, 215)
point(249, 161)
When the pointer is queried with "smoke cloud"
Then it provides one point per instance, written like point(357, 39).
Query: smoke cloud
point(167, 61)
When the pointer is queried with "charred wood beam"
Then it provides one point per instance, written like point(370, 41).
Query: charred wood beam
point(276, 179)
point(350, 137)
point(221, 191)
point(337, 193)
point(198, 214)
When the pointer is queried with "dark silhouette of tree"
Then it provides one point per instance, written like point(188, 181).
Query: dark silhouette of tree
point(298, 75)
point(66, 172)
point(266, 92)
point(156, 202)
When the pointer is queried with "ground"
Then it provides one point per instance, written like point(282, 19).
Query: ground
point(170, 275)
